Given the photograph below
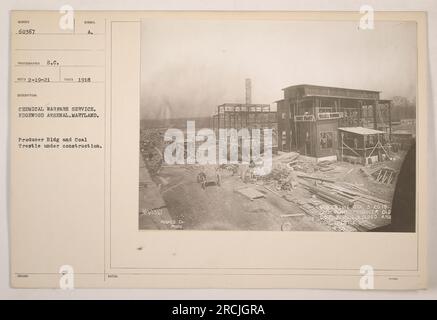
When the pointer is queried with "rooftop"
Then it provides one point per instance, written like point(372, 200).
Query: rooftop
point(361, 130)
point(327, 87)
point(402, 132)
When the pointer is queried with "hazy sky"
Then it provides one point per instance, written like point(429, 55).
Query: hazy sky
point(191, 66)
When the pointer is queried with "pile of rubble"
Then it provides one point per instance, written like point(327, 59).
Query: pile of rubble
point(384, 175)
point(304, 164)
point(330, 200)
point(288, 166)
point(279, 178)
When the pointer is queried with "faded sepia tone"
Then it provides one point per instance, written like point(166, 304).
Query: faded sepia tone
point(337, 151)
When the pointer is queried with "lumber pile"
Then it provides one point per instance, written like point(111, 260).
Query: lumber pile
point(356, 194)
point(325, 166)
point(385, 175)
point(341, 205)
point(280, 177)
point(304, 164)
point(334, 203)
point(330, 196)
point(304, 176)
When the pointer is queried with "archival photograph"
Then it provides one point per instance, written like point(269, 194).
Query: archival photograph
point(277, 125)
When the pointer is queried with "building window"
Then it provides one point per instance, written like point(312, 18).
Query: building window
point(283, 115)
point(326, 140)
point(325, 110)
point(284, 138)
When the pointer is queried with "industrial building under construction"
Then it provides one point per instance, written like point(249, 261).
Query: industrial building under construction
point(330, 123)
point(246, 115)
point(324, 123)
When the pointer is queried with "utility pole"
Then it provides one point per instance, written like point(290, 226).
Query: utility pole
point(248, 91)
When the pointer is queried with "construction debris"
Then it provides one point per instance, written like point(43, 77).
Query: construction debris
point(315, 178)
point(361, 196)
point(385, 175)
point(323, 195)
point(287, 157)
point(331, 197)
point(250, 193)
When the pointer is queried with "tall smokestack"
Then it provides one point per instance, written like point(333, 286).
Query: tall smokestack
point(248, 91)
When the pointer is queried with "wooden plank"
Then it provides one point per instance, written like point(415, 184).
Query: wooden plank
point(315, 178)
point(356, 193)
point(379, 175)
point(333, 198)
point(251, 193)
point(292, 215)
point(383, 176)
point(392, 178)
point(388, 177)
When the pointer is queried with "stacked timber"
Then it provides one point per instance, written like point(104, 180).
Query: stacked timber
point(329, 196)
point(384, 175)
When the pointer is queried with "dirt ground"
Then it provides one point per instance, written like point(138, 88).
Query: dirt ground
point(222, 208)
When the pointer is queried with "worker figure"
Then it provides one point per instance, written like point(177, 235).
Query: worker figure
point(218, 176)
point(201, 178)
point(307, 143)
point(292, 178)
point(244, 172)
point(323, 141)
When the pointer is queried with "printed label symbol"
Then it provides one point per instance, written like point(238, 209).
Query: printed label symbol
point(367, 280)
point(66, 282)
point(367, 20)
point(66, 22)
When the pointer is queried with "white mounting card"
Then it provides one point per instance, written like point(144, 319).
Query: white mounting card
point(218, 149)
